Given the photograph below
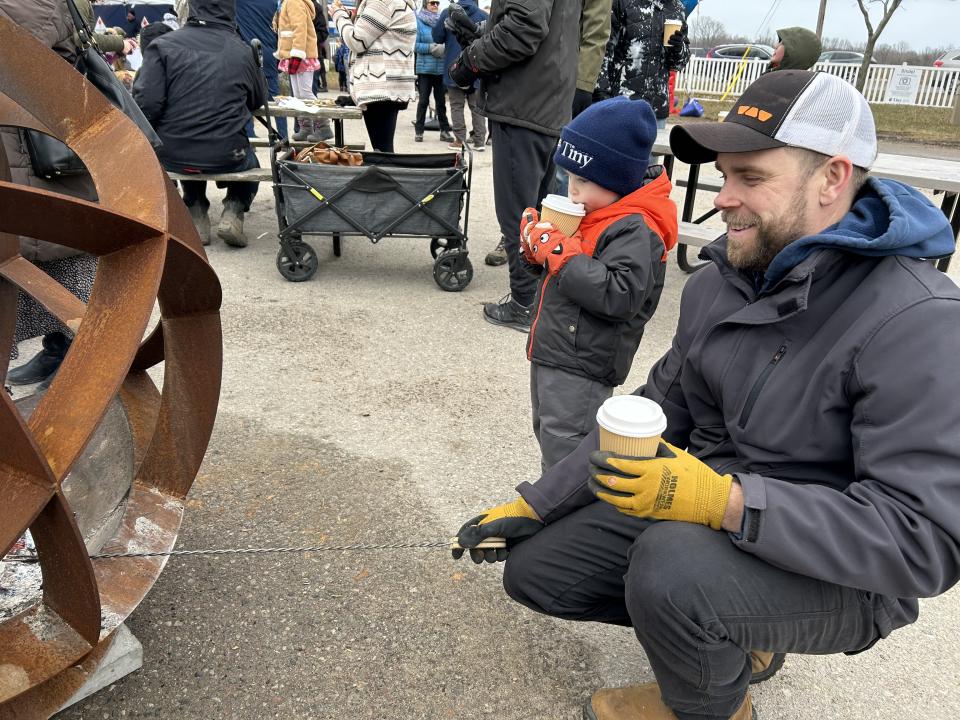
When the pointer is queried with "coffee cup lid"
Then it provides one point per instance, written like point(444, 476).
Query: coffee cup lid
point(563, 205)
point(631, 416)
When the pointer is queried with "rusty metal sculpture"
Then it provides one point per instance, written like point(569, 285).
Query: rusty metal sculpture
point(149, 253)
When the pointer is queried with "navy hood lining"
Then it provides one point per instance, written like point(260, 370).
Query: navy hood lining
point(886, 218)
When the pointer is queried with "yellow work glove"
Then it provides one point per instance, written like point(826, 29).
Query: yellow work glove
point(513, 521)
point(674, 485)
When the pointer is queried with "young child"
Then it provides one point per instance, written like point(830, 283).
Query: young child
point(299, 58)
point(600, 286)
point(340, 60)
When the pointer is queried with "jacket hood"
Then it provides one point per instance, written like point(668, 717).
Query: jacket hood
point(801, 48)
point(217, 12)
point(887, 218)
point(652, 201)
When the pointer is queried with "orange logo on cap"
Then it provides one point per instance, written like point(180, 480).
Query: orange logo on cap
point(751, 111)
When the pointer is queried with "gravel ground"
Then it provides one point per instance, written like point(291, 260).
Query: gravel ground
point(367, 406)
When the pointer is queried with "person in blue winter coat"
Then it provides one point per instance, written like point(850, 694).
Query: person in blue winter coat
point(340, 59)
point(806, 490)
point(458, 98)
point(255, 20)
point(429, 64)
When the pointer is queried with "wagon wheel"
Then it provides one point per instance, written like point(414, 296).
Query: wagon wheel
point(453, 270)
point(297, 261)
point(437, 246)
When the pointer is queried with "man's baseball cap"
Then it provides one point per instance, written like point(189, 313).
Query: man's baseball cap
point(795, 108)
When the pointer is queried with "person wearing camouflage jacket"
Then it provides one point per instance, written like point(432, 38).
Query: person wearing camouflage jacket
point(636, 62)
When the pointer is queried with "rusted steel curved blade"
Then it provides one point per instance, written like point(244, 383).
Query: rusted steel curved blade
point(100, 356)
point(26, 483)
point(59, 302)
point(91, 227)
point(69, 587)
point(149, 254)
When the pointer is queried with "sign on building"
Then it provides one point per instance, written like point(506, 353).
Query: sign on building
point(903, 86)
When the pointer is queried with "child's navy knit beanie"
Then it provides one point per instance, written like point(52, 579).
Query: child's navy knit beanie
point(609, 143)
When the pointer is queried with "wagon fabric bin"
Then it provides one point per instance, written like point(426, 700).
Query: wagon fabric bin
point(419, 195)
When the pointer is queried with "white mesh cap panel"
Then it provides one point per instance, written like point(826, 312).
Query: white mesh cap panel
point(833, 118)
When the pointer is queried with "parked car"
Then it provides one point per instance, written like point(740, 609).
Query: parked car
point(736, 51)
point(950, 59)
point(698, 52)
point(841, 56)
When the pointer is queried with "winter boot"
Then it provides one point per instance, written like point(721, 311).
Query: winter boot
point(321, 130)
point(202, 222)
point(642, 702)
point(765, 665)
point(230, 229)
point(305, 128)
point(44, 364)
point(508, 313)
point(497, 256)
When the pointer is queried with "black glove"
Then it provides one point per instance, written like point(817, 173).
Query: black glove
point(513, 521)
point(463, 28)
point(464, 73)
point(673, 52)
point(582, 99)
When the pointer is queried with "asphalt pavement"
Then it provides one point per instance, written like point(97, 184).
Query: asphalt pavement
point(369, 406)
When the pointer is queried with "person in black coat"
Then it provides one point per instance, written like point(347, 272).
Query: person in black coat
point(198, 86)
point(255, 20)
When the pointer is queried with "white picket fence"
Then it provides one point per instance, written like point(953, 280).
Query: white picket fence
point(712, 76)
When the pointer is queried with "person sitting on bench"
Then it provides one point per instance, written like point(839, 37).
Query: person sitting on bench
point(198, 87)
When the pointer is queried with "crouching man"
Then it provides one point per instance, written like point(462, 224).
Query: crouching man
point(811, 464)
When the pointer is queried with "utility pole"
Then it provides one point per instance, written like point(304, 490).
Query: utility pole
point(823, 12)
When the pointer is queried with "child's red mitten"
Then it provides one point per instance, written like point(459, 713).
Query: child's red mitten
point(551, 248)
point(528, 219)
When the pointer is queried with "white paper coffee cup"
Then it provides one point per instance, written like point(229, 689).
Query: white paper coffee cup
point(669, 28)
point(561, 212)
point(631, 425)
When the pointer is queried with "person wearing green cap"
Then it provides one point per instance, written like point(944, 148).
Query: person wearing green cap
point(797, 49)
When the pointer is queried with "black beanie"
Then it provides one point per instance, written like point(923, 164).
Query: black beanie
point(609, 143)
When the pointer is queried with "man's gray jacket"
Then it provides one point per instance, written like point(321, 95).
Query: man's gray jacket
point(831, 394)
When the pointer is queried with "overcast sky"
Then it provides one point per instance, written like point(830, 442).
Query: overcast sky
point(921, 23)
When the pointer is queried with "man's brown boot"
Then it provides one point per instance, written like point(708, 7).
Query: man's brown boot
point(642, 702)
point(765, 665)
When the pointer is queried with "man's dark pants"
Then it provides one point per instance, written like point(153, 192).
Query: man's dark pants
point(697, 603)
point(195, 191)
point(522, 175)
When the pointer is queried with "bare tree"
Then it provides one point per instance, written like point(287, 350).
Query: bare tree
point(873, 33)
point(832, 43)
point(706, 32)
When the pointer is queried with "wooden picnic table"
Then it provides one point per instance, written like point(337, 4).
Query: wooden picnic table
point(920, 172)
point(337, 114)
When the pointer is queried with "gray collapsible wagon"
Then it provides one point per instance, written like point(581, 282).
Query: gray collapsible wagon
point(416, 195)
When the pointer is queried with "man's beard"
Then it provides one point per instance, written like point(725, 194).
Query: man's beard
point(770, 237)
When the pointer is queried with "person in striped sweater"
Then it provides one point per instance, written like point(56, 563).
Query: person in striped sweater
point(382, 75)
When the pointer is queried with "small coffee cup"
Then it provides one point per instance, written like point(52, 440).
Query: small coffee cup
point(561, 212)
point(669, 28)
point(631, 425)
